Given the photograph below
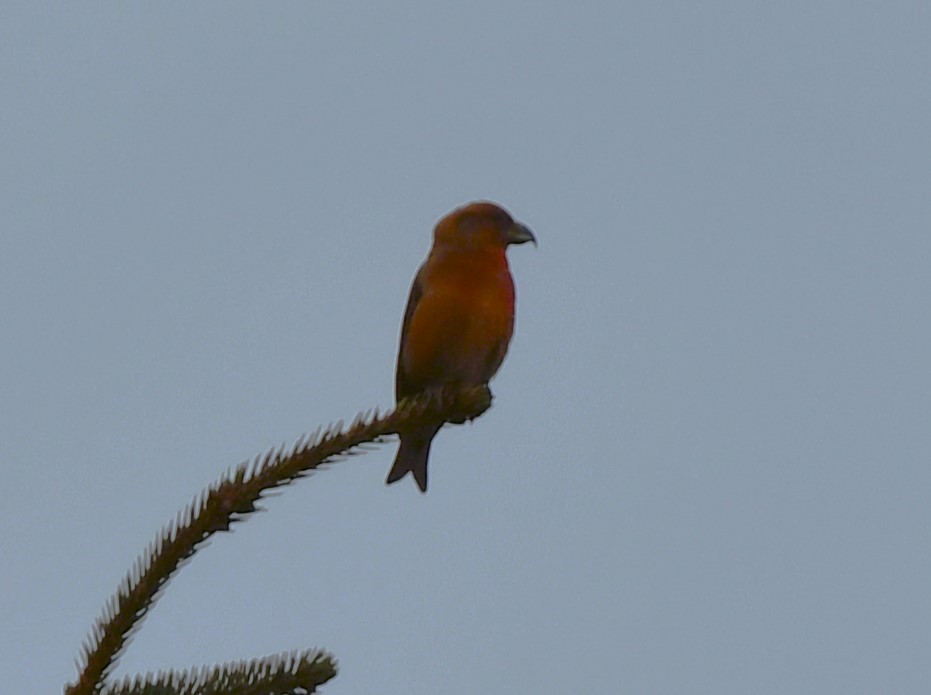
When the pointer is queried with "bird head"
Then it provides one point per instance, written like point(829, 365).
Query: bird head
point(481, 225)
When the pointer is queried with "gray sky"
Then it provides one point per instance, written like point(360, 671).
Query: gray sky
point(707, 465)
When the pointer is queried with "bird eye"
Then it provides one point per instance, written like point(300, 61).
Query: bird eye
point(469, 223)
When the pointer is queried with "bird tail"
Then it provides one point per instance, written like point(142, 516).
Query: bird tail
point(412, 458)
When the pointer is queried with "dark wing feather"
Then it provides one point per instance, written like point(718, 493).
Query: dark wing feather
point(402, 385)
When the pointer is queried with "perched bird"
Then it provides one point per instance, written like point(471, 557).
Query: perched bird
point(459, 317)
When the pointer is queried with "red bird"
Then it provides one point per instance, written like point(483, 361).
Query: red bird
point(459, 317)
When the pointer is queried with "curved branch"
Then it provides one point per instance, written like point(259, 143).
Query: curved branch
point(233, 498)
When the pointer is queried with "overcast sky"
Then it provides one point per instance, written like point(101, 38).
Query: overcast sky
point(708, 464)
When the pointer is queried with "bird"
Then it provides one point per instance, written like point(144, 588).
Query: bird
point(459, 318)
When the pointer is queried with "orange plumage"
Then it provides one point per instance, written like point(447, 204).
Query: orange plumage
point(459, 317)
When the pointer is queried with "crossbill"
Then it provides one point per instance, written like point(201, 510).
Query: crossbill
point(459, 318)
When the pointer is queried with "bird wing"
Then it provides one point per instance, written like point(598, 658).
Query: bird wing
point(402, 384)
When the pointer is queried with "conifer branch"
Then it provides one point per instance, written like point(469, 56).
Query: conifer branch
point(233, 498)
point(280, 674)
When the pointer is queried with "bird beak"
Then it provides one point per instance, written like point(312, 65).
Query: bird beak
point(520, 234)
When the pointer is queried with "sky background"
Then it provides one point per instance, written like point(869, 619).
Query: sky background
point(708, 464)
